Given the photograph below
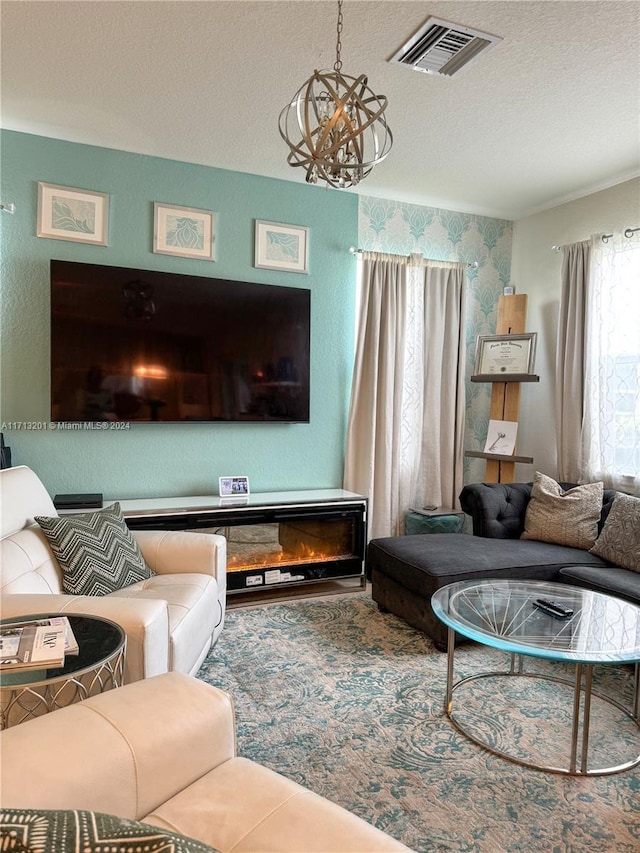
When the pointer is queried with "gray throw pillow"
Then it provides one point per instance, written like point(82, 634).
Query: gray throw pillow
point(564, 518)
point(49, 831)
point(96, 551)
point(619, 541)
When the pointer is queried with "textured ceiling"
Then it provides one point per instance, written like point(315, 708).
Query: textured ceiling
point(550, 114)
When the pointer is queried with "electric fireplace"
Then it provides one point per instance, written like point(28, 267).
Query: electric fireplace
point(274, 539)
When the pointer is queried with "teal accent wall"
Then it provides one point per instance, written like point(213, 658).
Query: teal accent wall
point(445, 235)
point(171, 459)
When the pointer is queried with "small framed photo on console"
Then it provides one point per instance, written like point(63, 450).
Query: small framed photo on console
point(234, 487)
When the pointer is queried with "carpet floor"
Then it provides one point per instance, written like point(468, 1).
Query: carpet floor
point(349, 703)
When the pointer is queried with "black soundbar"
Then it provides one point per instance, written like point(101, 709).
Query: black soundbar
point(79, 501)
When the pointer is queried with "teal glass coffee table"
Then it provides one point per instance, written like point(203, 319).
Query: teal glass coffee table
point(599, 630)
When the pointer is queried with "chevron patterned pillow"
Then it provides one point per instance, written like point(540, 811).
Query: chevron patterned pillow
point(48, 831)
point(95, 550)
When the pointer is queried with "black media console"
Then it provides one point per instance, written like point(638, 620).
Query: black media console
point(274, 539)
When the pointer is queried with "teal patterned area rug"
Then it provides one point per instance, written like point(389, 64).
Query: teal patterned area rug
point(349, 703)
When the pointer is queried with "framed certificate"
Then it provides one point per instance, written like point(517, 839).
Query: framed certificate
point(505, 354)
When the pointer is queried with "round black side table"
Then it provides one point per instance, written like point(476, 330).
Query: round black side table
point(98, 666)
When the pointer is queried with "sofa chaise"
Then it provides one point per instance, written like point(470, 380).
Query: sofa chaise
point(171, 619)
point(406, 570)
point(163, 752)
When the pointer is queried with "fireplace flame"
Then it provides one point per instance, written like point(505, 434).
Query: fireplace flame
point(304, 554)
point(290, 543)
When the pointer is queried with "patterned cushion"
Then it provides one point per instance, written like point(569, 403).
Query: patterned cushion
point(95, 550)
point(619, 541)
point(45, 831)
point(564, 518)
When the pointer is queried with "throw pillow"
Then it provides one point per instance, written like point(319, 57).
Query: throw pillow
point(564, 518)
point(49, 831)
point(619, 541)
point(95, 550)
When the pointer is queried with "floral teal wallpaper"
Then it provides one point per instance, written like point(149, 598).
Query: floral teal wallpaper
point(445, 235)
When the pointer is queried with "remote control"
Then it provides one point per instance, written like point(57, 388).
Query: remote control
point(553, 609)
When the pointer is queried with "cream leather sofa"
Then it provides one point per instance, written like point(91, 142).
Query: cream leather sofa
point(171, 619)
point(163, 751)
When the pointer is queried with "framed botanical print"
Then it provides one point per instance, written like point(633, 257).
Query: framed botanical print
point(184, 231)
point(66, 213)
point(281, 247)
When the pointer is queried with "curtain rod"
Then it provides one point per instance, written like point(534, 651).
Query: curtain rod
point(353, 251)
point(628, 233)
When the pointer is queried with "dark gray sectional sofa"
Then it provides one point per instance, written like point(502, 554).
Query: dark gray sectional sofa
point(406, 570)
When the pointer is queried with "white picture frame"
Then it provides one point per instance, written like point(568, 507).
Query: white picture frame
point(281, 247)
point(501, 438)
point(186, 232)
point(233, 486)
point(76, 215)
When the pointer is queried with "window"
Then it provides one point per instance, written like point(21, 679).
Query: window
point(611, 431)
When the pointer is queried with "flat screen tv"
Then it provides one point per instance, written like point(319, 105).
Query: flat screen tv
point(145, 346)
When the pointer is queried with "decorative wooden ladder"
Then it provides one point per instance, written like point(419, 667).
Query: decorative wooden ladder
point(505, 393)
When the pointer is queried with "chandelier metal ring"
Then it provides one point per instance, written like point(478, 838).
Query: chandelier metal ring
point(334, 125)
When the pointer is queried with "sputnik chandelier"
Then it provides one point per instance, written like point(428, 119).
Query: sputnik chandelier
point(335, 125)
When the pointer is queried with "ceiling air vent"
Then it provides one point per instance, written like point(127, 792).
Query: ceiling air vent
point(440, 47)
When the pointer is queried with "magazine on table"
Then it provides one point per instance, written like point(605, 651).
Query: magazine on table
point(36, 643)
point(70, 643)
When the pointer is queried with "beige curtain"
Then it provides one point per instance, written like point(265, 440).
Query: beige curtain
point(375, 417)
point(444, 403)
point(570, 360)
point(406, 421)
